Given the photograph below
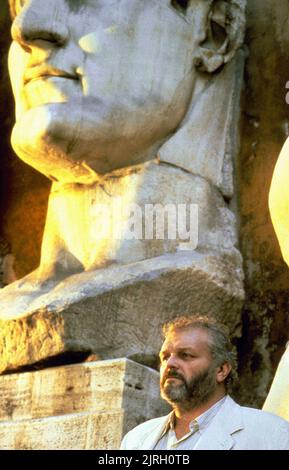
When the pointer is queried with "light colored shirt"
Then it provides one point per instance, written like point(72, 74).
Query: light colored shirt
point(169, 441)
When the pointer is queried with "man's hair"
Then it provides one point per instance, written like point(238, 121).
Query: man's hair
point(220, 347)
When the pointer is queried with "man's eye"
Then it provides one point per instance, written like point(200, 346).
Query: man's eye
point(164, 358)
point(187, 355)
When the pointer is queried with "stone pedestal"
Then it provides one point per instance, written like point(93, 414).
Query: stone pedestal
point(83, 406)
point(118, 311)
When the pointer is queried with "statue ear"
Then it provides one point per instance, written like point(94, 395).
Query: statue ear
point(224, 27)
point(206, 141)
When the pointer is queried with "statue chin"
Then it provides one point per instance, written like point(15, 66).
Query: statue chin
point(72, 143)
point(35, 139)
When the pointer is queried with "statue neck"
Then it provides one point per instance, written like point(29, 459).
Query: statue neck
point(89, 227)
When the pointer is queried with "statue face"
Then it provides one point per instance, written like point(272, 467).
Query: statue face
point(98, 84)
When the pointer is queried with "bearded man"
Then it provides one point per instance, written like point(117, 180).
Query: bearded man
point(198, 367)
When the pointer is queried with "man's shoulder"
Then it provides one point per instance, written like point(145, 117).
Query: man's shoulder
point(142, 431)
point(266, 427)
point(259, 416)
point(251, 428)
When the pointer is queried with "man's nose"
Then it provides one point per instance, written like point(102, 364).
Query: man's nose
point(39, 22)
point(172, 362)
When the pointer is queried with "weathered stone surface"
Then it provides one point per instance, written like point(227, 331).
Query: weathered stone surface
point(119, 311)
point(80, 388)
point(211, 153)
point(111, 223)
point(71, 432)
point(84, 406)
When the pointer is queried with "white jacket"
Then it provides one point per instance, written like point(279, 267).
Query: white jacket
point(234, 427)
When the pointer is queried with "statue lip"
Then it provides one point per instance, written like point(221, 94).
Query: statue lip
point(46, 71)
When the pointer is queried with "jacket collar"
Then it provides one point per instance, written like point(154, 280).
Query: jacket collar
point(152, 436)
point(218, 436)
point(227, 421)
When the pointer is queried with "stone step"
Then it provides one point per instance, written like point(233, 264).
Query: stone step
point(80, 431)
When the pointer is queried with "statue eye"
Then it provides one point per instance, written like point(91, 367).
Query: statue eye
point(180, 5)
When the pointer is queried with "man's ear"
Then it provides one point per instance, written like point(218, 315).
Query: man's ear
point(224, 27)
point(223, 371)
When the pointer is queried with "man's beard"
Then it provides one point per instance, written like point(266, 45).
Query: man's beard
point(189, 393)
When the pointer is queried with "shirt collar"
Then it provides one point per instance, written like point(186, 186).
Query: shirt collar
point(199, 423)
point(205, 418)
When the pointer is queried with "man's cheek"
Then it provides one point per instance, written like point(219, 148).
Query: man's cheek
point(162, 369)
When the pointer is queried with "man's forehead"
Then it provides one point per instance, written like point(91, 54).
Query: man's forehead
point(187, 338)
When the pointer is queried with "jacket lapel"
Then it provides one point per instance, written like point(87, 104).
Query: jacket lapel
point(218, 436)
point(151, 438)
point(227, 421)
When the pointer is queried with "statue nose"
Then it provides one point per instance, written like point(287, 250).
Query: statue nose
point(37, 22)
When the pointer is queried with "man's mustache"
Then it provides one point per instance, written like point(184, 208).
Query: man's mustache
point(174, 375)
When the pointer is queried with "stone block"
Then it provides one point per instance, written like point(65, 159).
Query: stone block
point(84, 431)
point(82, 406)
